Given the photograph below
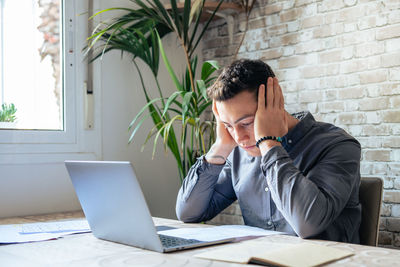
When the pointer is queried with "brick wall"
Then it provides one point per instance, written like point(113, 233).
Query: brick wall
point(339, 59)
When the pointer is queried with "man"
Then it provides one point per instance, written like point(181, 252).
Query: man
point(289, 173)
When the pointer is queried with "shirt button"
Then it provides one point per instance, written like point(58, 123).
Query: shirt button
point(266, 189)
point(269, 223)
point(290, 141)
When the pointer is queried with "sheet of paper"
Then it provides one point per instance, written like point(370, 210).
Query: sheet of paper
point(18, 233)
point(218, 232)
point(301, 255)
point(239, 252)
point(279, 254)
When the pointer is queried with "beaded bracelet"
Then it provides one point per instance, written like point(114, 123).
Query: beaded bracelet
point(279, 139)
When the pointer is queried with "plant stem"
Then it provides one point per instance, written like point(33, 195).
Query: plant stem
point(189, 64)
point(141, 80)
point(248, 12)
point(159, 90)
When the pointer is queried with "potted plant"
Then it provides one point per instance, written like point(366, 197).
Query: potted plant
point(7, 116)
point(138, 32)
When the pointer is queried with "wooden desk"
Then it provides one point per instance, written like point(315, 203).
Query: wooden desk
point(86, 250)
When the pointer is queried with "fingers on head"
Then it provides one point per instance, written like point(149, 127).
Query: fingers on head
point(270, 92)
point(261, 96)
point(282, 101)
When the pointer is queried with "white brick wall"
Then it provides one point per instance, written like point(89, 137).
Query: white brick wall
point(340, 59)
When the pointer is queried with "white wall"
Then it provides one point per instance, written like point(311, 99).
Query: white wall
point(27, 189)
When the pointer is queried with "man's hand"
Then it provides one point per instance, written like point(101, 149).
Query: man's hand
point(270, 119)
point(224, 143)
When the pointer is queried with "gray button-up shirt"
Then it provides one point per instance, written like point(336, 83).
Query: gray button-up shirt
point(308, 187)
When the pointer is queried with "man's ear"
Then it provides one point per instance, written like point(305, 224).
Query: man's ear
point(214, 108)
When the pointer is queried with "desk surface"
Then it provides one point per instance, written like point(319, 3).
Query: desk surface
point(86, 250)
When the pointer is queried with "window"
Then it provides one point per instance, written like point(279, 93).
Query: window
point(32, 63)
point(43, 73)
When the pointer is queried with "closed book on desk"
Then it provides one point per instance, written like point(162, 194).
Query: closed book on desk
point(266, 253)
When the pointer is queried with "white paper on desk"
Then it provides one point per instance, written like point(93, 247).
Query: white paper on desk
point(29, 232)
point(218, 232)
point(302, 254)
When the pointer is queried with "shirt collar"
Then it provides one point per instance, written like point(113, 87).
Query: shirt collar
point(306, 122)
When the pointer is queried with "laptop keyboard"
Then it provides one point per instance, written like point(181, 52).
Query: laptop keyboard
point(172, 241)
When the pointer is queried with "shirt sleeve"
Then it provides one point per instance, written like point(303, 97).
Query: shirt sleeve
point(311, 202)
point(205, 192)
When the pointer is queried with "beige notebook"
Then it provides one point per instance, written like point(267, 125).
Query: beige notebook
point(278, 254)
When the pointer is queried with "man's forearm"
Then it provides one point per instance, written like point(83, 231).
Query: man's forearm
point(196, 200)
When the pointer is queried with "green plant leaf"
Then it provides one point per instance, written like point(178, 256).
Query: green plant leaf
point(142, 110)
point(185, 103)
point(151, 133)
point(186, 20)
point(176, 17)
point(202, 88)
point(204, 106)
point(209, 67)
point(159, 133)
point(196, 9)
point(168, 126)
point(109, 9)
point(170, 101)
point(175, 110)
point(163, 14)
point(185, 122)
point(196, 13)
point(138, 125)
point(168, 65)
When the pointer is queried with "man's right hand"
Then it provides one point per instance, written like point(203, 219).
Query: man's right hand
point(224, 143)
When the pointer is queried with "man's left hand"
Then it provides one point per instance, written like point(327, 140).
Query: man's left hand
point(270, 118)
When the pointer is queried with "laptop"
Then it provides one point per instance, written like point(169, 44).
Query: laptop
point(115, 207)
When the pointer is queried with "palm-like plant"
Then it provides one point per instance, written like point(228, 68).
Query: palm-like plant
point(139, 33)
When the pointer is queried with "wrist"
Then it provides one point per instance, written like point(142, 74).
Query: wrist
point(267, 145)
point(218, 154)
point(215, 159)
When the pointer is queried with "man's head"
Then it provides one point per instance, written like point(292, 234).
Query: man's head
point(241, 75)
point(235, 99)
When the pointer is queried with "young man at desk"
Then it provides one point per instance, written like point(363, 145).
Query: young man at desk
point(288, 172)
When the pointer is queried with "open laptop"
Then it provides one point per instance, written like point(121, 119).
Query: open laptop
point(115, 207)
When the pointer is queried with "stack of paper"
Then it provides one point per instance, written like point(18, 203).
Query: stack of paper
point(18, 233)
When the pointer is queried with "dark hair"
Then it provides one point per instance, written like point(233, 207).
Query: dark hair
point(241, 75)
